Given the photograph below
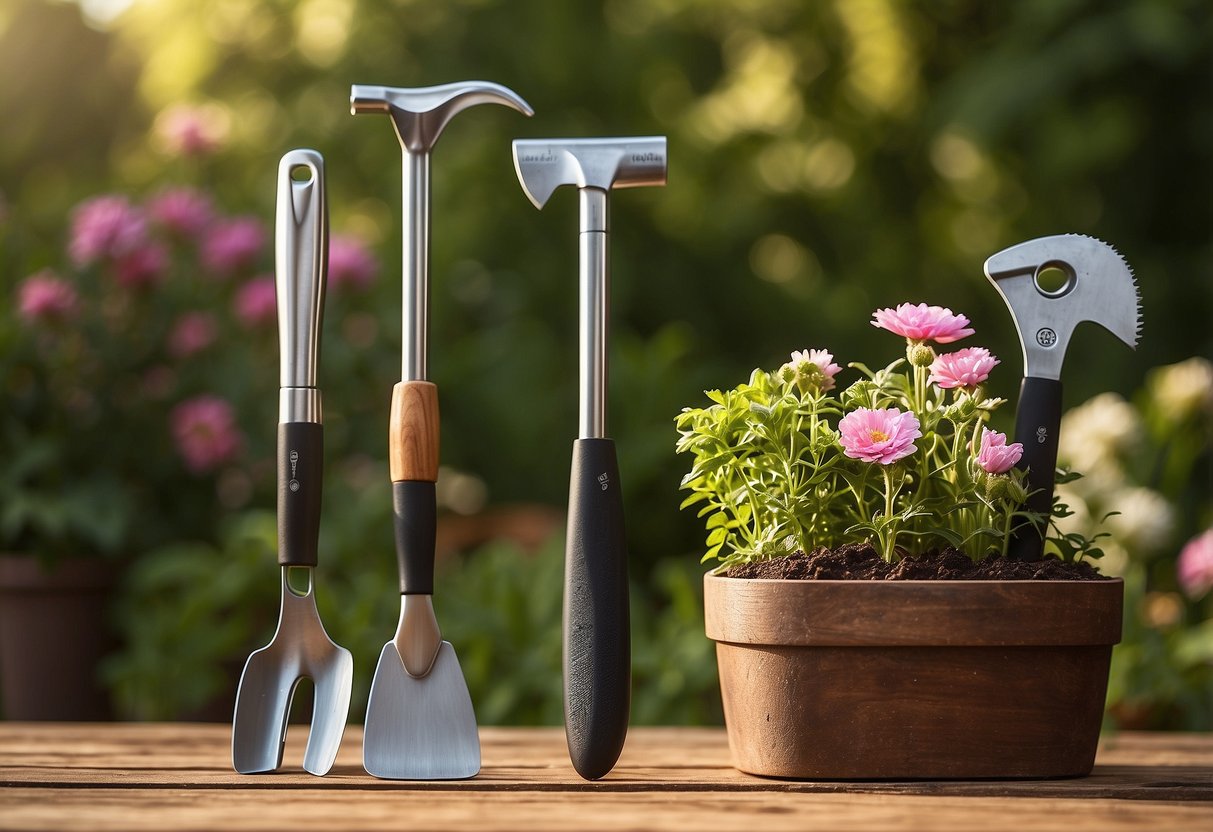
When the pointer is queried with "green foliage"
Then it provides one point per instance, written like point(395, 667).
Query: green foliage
point(826, 158)
point(190, 615)
point(772, 475)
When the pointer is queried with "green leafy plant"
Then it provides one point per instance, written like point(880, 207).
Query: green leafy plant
point(901, 458)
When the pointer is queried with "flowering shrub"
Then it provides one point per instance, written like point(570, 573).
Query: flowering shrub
point(1146, 462)
point(137, 368)
point(902, 457)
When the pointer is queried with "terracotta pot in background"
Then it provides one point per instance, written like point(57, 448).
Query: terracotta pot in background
point(54, 631)
point(913, 679)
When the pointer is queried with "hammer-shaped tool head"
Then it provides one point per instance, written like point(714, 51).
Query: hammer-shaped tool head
point(419, 114)
point(543, 165)
point(1099, 287)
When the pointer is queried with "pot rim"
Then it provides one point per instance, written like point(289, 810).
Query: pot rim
point(920, 613)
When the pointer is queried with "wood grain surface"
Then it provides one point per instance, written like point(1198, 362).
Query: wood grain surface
point(414, 432)
point(155, 776)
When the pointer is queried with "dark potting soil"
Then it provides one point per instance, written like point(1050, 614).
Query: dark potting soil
point(860, 562)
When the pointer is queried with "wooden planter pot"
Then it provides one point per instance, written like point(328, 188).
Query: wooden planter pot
point(54, 632)
point(913, 679)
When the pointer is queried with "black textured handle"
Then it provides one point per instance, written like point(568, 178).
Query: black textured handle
point(415, 515)
point(300, 479)
point(597, 641)
point(1037, 422)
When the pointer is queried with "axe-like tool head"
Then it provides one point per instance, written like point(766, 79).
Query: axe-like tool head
point(1099, 287)
point(419, 114)
point(543, 165)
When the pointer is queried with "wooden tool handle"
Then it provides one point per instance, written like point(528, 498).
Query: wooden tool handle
point(413, 440)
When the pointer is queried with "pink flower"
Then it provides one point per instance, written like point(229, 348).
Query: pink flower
point(205, 431)
point(191, 131)
point(142, 267)
point(1195, 566)
point(184, 212)
point(995, 456)
point(350, 263)
point(965, 368)
point(923, 323)
point(232, 244)
point(256, 302)
point(883, 436)
point(45, 297)
point(192, 333)
point(105, 227)
point(823, 360)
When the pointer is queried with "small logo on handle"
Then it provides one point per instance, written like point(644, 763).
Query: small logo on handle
point(1042, 435)
point(604, 481)
point(1046, 337)
point(293, 485)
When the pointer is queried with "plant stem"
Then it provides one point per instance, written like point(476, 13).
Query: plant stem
point(888, 534)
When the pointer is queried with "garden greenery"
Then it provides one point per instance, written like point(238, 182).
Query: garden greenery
point(901, 458)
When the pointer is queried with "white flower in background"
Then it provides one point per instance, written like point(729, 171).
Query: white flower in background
point(1095, 435)
point(1146, 521)
point(1182, 390)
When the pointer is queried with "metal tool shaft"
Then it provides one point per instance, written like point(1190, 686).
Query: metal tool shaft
point(594, 314)
point(415, 317)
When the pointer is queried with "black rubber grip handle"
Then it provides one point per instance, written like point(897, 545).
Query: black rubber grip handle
point(597, 641)
point(1037, 422)
point(415, 516)
point(300, 482)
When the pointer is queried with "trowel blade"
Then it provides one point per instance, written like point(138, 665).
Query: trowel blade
point(420, 728)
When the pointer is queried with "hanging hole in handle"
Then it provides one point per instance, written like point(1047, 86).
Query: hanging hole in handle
point(1054, 279)
point(299, 580)
point(302, 173)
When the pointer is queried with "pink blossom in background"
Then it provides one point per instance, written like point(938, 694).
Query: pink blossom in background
point(186, 130)
point(142, 267)
point(256, 302)
point(824, 361)
point(232, 244)
point(191, 334)
point(919, 322)
point(1195, 566)
point(45, 297)
point(351, 264)
point(965, 368)
point(184, 212)
point(105, 227)
point(995, 456)
point(883, 436)
point(205, 431)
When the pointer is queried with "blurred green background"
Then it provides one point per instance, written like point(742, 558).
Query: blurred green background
point(826, 159)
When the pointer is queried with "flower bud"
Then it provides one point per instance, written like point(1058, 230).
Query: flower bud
point(920, 355)
point(996, 487)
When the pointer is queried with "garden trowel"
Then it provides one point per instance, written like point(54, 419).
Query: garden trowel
point(301, 647)
point(420, 724)
point(1098, 286)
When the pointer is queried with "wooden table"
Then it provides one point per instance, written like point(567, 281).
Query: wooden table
point(134, 776)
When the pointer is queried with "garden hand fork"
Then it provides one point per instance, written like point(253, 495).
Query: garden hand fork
point(1099, 286)
point(300, 646)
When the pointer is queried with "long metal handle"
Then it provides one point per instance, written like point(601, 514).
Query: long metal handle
point(301, 244)
point(594, 314)
point(415, 315)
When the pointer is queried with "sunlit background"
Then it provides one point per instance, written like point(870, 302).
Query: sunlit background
point(826, 159)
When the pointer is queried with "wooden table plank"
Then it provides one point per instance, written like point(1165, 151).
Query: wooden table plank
point(143, 776)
